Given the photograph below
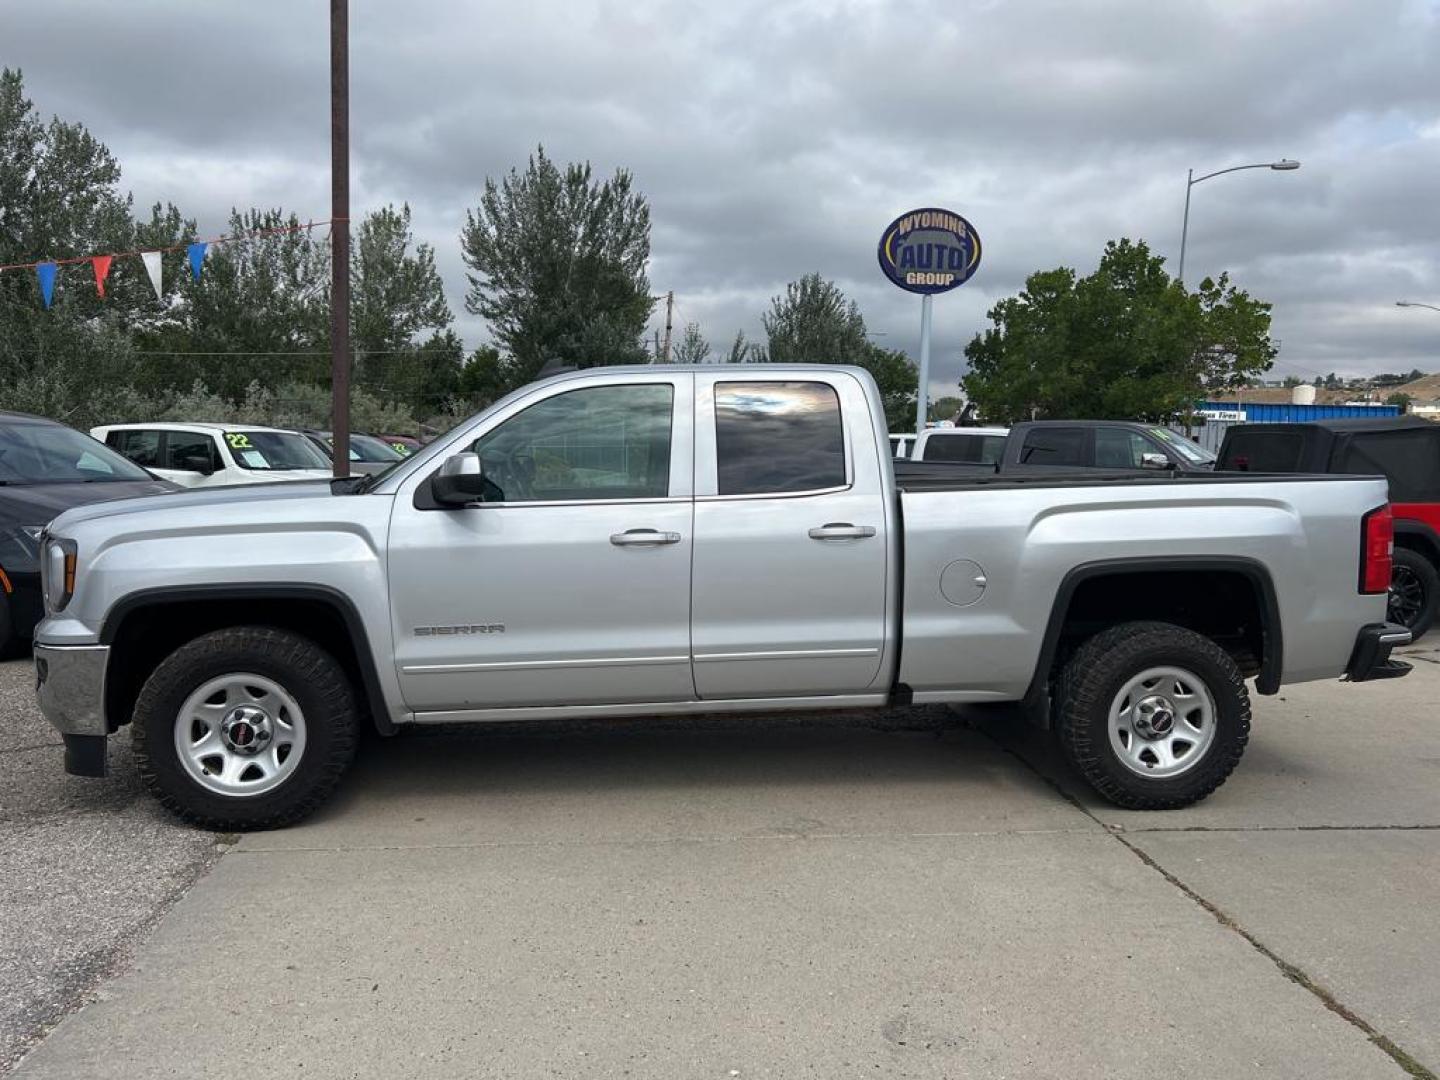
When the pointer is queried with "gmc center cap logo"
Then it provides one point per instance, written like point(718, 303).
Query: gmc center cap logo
point(929, 250)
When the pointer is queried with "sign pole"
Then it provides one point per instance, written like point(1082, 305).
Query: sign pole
point(923, 398)
point(340, 235)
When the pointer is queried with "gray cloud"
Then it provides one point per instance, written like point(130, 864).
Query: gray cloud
point(778, 138)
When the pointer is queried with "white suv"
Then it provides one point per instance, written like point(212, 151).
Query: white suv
point(216, 455)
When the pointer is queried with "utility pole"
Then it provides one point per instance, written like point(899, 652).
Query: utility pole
point(340, 235)
point(669, 319)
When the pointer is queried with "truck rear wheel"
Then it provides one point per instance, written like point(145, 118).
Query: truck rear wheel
point(1154, 716)
point(1414, 592)
point(245, 728)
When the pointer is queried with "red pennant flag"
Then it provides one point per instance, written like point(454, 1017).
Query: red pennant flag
point(102, 271)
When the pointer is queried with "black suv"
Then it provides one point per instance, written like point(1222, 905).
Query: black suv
point(1403, 449)
point(45, 469)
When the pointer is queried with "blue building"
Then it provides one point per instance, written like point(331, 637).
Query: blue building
point(1220, 415)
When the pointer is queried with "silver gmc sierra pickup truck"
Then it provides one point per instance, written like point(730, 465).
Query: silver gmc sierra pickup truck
point(673, 540)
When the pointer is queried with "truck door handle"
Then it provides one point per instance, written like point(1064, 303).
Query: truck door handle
point(841, 530)
point(643, 538)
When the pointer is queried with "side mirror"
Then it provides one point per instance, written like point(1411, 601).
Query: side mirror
point(197, 463)
point(461, 480)
point(1155, 461)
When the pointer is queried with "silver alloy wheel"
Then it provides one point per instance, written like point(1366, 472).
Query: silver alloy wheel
point(239, 735)
point(1162, 722)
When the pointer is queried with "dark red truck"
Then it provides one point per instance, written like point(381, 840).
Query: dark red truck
point(1403, 449)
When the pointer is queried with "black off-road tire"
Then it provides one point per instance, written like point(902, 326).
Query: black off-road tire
point(307, 672)
point(1425, 577)
point(1099, 670)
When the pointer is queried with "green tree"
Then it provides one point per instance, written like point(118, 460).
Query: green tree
point(741, 351)
point(1401, 399)
point(814, 323)
point(1125, 342)
point(899, 382)
point(486, 377)
point(395, 292)
point(692, 347)
point(60, 198)
point(557, 266)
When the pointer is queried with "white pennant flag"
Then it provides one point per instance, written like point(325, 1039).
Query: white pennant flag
point(152, 267)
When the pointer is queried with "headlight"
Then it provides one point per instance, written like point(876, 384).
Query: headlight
point(57, 572)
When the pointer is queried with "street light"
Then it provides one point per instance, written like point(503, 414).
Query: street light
point(1283, 165)
point(1413, 303)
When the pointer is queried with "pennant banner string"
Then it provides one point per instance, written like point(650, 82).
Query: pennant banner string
point(174, 247)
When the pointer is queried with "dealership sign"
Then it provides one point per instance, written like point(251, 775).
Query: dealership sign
point(929, 251)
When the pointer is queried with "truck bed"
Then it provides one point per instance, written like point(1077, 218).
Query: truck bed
point(918, 476)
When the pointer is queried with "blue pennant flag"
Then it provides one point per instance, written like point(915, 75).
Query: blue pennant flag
point(197, 256)
point(45, 271)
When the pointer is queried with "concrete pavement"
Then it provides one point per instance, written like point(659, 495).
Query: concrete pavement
point(885, 893)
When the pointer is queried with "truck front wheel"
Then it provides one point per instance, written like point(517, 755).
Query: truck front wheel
point(1154, 716)
point(249, 727)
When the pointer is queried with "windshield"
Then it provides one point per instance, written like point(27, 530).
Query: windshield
point(1196, 455)
point(369, 448)
point(266, 450)
point(41, 453)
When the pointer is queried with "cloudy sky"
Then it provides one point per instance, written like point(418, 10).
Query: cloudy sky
point(779, 137)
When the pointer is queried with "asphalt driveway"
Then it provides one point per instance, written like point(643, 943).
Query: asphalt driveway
point(904, 893)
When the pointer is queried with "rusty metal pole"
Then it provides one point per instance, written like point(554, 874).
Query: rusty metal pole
point(340, 235)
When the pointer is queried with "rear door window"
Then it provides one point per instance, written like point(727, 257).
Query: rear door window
point(189, 451)
point(778, 437)
point(140, 446)
point(1263, 451)
point(968, 447)
point(1058, 446)
point(1410, 460)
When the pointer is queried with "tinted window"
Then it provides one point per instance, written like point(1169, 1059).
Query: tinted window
point(778, 436)
point(1054, 446)
point(967, 447)
point(602, 442)
point(1410, 460)
point(188, 451)
point(141, 447)
point(266, 450)
point(1263, 451)
point(1120, 448)
point(39, 453)
point(367, 448)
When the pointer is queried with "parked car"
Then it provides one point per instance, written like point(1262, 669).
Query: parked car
point(217, 455)
point(972, 445)
point(696, 540)
point(901, 443)
point(46, 468)
point(404, 445)
point(1403, 449)
point(368, 454)
point(1102, 444)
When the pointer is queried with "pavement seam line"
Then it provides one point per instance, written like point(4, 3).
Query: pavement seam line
point(1118, 828)
point(1294, 973)
point(657, 841)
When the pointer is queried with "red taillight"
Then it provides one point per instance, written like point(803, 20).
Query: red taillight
point(1377, 535)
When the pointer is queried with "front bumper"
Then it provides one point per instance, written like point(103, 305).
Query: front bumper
point(70, 683)
point(1371, 657)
